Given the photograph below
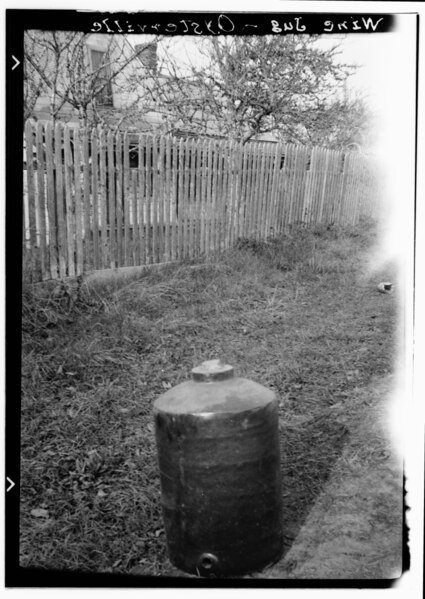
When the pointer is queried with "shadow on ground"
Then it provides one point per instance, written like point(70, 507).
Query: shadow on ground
point(309, 450)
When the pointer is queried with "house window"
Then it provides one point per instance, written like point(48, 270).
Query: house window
point(102, 77)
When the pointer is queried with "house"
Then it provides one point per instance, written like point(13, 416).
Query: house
point(90, 78)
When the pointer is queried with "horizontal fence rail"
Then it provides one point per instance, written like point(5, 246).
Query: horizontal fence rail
point(95, 199)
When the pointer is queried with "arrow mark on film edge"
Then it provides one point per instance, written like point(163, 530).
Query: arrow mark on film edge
point(12, 484)
point(17, 62)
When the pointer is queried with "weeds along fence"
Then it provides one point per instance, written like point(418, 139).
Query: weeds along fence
point(97, 200)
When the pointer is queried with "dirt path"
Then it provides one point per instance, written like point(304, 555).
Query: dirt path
point(354, 530)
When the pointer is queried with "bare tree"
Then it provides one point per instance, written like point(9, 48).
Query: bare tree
point(241, 87)
point(58, 64)
point(246, 86)
point(34, 85)
point(340, 123)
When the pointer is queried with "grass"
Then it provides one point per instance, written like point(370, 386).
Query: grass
point(298, 314)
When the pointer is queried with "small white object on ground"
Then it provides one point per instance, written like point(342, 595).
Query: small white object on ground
point(385, 287)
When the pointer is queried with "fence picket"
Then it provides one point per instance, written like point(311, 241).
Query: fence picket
point(289, 185)
point(103, 200)
point(217, 196)
point(268, 193)
point(352, 189)
point(235, 192)
point(349, 186)
point(234, 176)
point(256, 165)
point(228, 168)
point(208, 204)
point(119, 216)
point(198, 200)
point(275, 172)
point(343, 200)
point(258, 198)
point(41, 204)
point(69, 204)
point(174, 198)
point(95, 204)
point(242, 216)
point(340, 187)
point(79, 224)
point(148, 196)
point(326, 197)
point(291, 177)
point(160, 152)
point(167, 200)
point(135, 219)
point(180, 202)
point(87, 228)
point(186, 198)
point(191, 195)
point(154, 214)
point(215, 204)
point(359, 194)
point(252, 163)
point(51, 207)
point(331, 204)
point(86, 205)
point(317, 183)
point(300, 173)
point(281, 195)
point(202, 195)
point(111, 199)
point(321, 203)
point(60, 202)
point(306, 196)
point(31, 200)
point(224, 178)
point(126, 200)
point(142, 199)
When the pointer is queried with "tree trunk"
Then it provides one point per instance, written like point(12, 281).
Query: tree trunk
point(82, 116)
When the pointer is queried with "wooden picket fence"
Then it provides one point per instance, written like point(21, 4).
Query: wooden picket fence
point(96, 200)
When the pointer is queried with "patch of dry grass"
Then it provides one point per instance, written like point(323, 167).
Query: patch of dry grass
point(296, 314)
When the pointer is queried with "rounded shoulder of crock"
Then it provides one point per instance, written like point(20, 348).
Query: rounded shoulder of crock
point(236, 394)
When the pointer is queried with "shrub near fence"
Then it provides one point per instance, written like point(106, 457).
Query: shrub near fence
point(97, 200)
